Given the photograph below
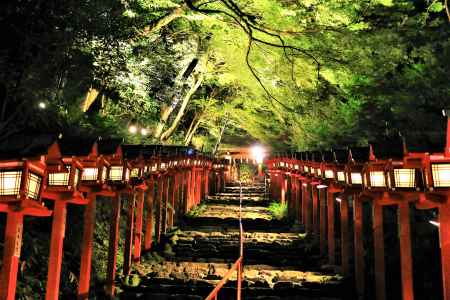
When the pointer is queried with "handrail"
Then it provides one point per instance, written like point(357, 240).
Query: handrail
point(238, 265)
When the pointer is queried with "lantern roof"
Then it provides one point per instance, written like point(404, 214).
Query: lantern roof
point(328, 156)
point(75, 146)
point(341, 155)
point(316, 156)
point(359, 154)
point(432, 142)
point(134, 151)
point(26, 146)
point(391, 148)
point(109, 146)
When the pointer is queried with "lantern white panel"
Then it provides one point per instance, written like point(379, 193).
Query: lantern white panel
point(116, 173)
point(377, 179)
point(33, 186)
point(405, 178)
point(90, 174)
point(441, 175)
point(10, 182)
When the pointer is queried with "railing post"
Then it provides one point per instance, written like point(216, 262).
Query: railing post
point(173, 198)
point(138, 226)
point(359, 246)
point(127, 252)
point(307, 208)
point(345, 236)
point(11, 254)
point(315, 211)
point(56, 250)
point(331, 240)
point(87, 247)
point(165, 202)
point(148, 238)
point(113, 245)
point(323, 221)
point(378, 238)
point(444, 236)
point(405, 251)
point(159, 199)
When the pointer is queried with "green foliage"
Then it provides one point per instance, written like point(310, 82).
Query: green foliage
point(196, 211)
point(278, 210)
point(247, 173)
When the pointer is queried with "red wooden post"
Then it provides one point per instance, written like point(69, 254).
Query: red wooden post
point(331, 241)
point(188, 191)
point(300, 201)
point(345, 237)
point(444, 236)
point(307, 208)
point(206, 183)
point(56, 250)
point(198, 194)
point(87, 248)
point(378, 238)
point(323, 221)
point(193, 188)
point(148, 238)
point(405, 251)
point(11, 254)
point(304, 204)
point(127, 252)
point(165, 200)
point(315, 212)
point(283, 189)
point(159, 208)
point(359, 246)
point(138, 226)
point(114, 236)
point(174, 200)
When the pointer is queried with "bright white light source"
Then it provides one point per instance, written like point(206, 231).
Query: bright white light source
point(144, 131)
point(356, 178)
point(338, 200)
point(10, 182)
point(329, 174)
point(116, 173)
point(258, 153)
point(132, 129)
point(322, 186)
point(89, 174)
point(42, 105)
point(341, 176)
point(441, 175)
point(405, 178)
point(435, 223)
point(377, 179)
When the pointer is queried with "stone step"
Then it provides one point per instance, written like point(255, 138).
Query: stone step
point(246, 201)
point(278, 249)
point(224, 217)
point(232, 224)
point(188, 279)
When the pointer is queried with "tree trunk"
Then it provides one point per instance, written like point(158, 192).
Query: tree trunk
point(219, 139)
point(165, 114)
point(163, 21)
point(192, 133)
point(91, 96)
point(168, 133)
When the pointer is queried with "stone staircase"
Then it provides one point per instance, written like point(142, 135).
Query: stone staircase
point(279, 261)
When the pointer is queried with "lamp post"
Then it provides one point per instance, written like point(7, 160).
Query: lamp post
point(64, 175)
point(21, 184)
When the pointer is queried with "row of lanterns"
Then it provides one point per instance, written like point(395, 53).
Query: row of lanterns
point(106, 162)
point(371, 167)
